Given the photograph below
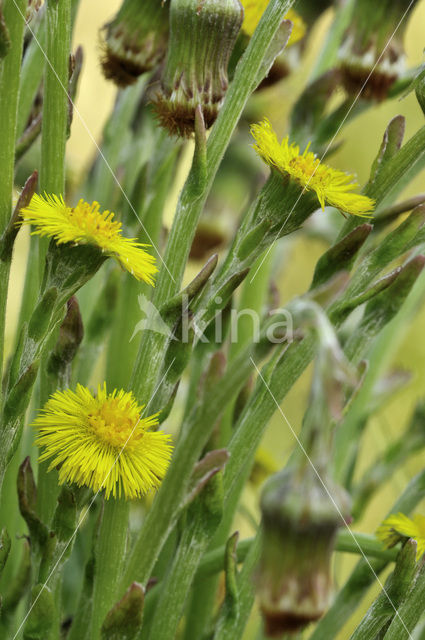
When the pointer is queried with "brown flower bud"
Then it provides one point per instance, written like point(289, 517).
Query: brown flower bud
point(300, 522)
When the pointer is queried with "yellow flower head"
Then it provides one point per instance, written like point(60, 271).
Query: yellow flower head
point(254, 9)
point(331, 186)
point(102, 441)
point(398, 526)
point(85, 224)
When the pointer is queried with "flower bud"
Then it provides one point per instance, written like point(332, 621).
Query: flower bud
point(202, 36)
point(372, 55)
point(300, 522)
point(135, 41)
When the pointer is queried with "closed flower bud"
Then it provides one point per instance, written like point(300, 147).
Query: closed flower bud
point(135, 41)
point(372, 55)
point(202, 36)
point(300, 522)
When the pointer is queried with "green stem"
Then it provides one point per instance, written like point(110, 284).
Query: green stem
point(52, 179)
point(346, 542)
point(195, 433)
point(253, 298)
point(193, 196)
point(110, 552)
point(10, 67)
point(262, 405)
point(14, 16)
point(199, 525)
point(55, 97)
point(31, 74)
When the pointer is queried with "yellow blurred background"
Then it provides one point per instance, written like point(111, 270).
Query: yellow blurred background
point(361, 141)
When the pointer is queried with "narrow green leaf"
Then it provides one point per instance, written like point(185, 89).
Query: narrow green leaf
point(384, 607)
point(341, 256)
point(27, 496)
point(5, 544)
point(391, 144)
point(411, 610)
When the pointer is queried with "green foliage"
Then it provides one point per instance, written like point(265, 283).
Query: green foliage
point(100, 569)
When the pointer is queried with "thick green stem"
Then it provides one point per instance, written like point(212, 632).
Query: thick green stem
point(31, 74)
point(346, 542)
point(13, 13)
point(52, 178)
point(200, 523)
point(110, 552)
point(195, 433)
point(55, 97)
point(193, 196)
point(14, 16)
point(253, 298)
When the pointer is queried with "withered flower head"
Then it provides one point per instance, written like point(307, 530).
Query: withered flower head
point(300, 522)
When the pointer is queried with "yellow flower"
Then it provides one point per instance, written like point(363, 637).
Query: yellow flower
point(254, 9)
point(399, 526)
point(102, 441)
point(85, 224)
point(331, 186)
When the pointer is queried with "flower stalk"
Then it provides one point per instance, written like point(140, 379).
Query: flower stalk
point(198, 185)
point(55, 98)
point(110, 554)
point(13, 16)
